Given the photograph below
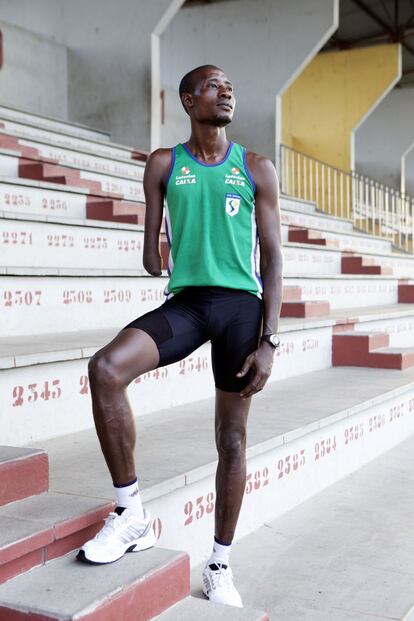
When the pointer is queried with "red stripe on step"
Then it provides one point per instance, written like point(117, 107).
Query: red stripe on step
point(23, 477)
point(150, 597)
point(64, 529)
point(18, 566)
point(24, 546)
point(71, 542)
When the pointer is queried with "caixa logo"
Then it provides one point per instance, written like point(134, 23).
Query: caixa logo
point(234, 177)
point(186, 178)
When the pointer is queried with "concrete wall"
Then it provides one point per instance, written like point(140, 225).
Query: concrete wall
point(34, 72)
point(384, 136)
point(109, 58)
point(262, 45)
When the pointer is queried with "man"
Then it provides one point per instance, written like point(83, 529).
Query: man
point(220, 201)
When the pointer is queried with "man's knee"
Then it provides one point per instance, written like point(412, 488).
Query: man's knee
point(231, 445)
point(103, 371)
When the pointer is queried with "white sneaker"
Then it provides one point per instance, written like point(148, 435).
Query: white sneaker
point(120, 534)
point(218, 585)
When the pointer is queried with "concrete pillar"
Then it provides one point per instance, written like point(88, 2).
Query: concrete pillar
point(407, 166)
point(333, 96)
point(109, 57)
point(262, 46)
point(383, 138)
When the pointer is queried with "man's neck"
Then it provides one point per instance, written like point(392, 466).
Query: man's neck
point(208, 143)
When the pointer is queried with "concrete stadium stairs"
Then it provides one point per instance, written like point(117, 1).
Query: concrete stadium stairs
point(341, 392)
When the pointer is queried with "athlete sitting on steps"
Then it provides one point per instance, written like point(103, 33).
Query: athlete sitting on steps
point(221, 201)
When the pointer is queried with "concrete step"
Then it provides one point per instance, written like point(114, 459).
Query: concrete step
point(111, 299)
point(192, 608)
point(334, 229)
point(116, 211)
point(345, 241)
point(347, 554)
point(11, 143)
point(50, 123)
point(38, 529)
point(31, 197)
point(405, 293)
point(24, 197)
point(66, 243)
point(9, 163)
point(45, 383)
point(129, 189)
point(137, 588)
point(348, 291)
point(309, 236)
point(305, 309)
point(321, 260)
point(78, 160)
point(363, 265)
point(290, 458)
point(84, 145)
point(52, 173)
point(81, 244)
point(23, 472)
point(369, 350)
point(297, 204)
point(45, 377)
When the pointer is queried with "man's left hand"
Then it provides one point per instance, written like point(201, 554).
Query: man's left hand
point(260, 361)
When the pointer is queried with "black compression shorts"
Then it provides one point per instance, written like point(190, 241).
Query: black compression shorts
point(230, 318)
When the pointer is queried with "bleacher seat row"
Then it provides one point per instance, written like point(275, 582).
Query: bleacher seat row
point(72, 214)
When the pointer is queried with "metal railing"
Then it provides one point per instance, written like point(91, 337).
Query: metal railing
point(372, 206)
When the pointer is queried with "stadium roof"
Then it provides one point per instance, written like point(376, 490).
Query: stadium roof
point(369, 22)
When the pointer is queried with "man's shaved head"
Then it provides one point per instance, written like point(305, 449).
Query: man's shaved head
point(189, 81)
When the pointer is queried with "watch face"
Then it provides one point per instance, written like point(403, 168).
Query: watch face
point(275, 340)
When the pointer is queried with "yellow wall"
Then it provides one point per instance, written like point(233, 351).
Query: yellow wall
point(330, 97)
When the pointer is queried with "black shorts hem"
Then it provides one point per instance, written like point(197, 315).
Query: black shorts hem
point(150, 334)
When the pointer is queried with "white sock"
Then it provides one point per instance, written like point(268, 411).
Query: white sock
point(220, 554)
point(128, 496)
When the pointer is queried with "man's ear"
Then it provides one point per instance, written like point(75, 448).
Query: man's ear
point(187, 101)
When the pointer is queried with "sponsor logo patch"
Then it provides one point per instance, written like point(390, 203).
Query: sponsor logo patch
point(185, 178)
point(232, 204)
point(235, 178)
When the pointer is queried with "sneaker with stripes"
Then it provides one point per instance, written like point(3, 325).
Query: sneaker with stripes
point(218, 585)
point(122, 532)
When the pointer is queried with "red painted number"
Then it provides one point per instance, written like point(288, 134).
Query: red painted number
point(33, 392)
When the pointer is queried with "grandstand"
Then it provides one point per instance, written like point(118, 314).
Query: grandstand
point(341, 395)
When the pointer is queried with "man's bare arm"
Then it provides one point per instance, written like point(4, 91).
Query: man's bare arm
point(271, 263)
point(270, 238)
point(155, 179)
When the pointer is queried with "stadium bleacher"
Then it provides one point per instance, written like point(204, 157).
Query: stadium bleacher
point(340, 394)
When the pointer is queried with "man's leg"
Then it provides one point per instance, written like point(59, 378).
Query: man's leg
point(111, 370)
point(230, 424)
point(162, 336)
point(237, 323)
point(230, 427)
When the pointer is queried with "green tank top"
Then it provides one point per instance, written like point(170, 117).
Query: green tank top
point(211, 223)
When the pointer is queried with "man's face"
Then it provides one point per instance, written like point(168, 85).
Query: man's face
point(213, 99)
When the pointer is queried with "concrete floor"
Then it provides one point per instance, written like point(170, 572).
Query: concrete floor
point(346, 554)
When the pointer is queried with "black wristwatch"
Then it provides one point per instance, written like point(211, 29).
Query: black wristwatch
point(272, 339)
